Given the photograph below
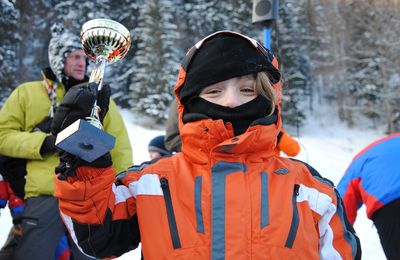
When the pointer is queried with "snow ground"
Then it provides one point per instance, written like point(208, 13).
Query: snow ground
point(327, 145)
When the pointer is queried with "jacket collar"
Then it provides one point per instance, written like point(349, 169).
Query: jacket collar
point(50, 79)
point(206, 139)
point(48, 74)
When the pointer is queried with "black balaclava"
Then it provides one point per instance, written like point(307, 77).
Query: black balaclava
point(240, 117)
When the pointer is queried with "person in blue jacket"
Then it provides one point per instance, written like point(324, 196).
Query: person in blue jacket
point(373, 178)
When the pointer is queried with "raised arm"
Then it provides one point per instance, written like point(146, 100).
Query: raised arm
point(100, 216)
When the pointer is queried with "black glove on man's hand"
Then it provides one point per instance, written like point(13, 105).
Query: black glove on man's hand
point(43, 126)
point(48, 145)
point(69, 163)
point(78, 104)
point(103, 100)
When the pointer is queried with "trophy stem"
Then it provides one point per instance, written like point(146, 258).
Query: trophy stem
point(97, 74)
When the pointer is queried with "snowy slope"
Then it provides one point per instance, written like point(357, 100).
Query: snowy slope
point(327, 146)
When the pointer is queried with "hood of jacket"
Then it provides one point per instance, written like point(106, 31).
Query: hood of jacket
point(202, 137)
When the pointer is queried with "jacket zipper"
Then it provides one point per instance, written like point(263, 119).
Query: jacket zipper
point(295, 219)
point(176, 243)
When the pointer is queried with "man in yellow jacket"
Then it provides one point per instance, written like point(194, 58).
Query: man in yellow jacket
point(25, 133)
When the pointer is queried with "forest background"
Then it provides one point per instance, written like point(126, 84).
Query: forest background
point(340, 53)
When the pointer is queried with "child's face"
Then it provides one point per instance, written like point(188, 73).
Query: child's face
point(232, 92)
point(154, 155)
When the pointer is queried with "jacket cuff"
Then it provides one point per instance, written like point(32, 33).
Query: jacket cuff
point(86, 173)
point(88, 183)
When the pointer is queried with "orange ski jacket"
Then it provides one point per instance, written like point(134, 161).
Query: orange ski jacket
point(222, 197)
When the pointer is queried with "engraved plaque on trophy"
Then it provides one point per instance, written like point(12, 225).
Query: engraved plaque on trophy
point(104, 41)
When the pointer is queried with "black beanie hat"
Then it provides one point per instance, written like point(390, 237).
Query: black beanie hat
point(157, 145)
point(221, 57)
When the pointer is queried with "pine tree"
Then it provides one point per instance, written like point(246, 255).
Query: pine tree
point(9, 41)
point(193, 14)
point(34, 28)
point(240, 17)
point(200, 18)
point(373, 62)
point(123, 71)
point(361, 76)
point(156, 59)
point(293, 58)
point(326, 49)
point(73, 14)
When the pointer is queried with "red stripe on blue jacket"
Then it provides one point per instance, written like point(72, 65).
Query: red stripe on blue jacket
point(372, 178)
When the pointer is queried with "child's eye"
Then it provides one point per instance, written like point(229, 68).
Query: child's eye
point(248, 89)
point(212, 91)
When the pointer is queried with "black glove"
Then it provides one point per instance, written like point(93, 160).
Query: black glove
point(48, 145)
point(43, 126)
point(103, 100)
point(69, 163)
point(78, 104)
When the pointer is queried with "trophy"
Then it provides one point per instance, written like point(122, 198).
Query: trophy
point(104, 41)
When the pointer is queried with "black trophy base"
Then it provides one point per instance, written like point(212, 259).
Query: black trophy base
point(84, 140)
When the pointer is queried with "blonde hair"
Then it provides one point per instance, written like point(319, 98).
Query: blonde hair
point(263, 86)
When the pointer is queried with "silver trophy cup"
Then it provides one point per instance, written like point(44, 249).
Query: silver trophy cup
point(104, 41)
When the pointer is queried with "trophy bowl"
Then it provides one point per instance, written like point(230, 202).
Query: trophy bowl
point(105, 38)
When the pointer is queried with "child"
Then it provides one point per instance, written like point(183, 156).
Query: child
point(157, 148)
point(226, 195)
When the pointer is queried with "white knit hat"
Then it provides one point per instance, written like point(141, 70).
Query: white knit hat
point(61, 44)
